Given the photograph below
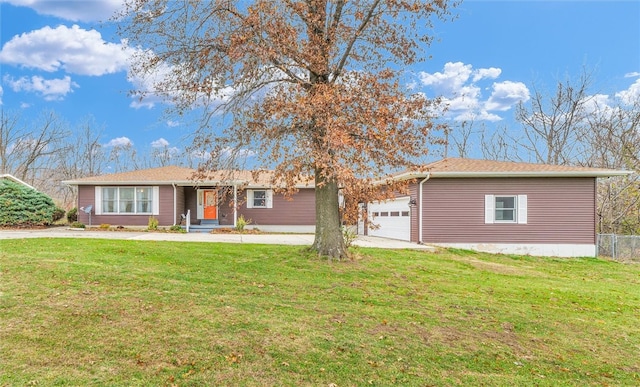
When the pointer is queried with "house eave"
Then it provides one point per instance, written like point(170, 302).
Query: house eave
point(179, 183)
point(435, 175)
point(16, 180)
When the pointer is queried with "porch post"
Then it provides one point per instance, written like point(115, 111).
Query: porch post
point(235, 205)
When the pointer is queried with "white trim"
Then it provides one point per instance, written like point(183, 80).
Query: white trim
point(155, 200)
point(506, 174)
point(535, 249)
point(269, 198)
point(522, 209)
point(97, 206)
point(514, 210)
point(175, 204)
point(235, 205)
point(489, 209)
point(200, 204)
point(420, 208)
point(249, 198)
point(268, 193)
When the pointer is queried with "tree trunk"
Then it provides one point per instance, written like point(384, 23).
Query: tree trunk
point(329, 241)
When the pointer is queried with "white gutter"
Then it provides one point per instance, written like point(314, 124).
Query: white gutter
point(420, 207)
point(608, 173)
point(175, 205)
point(16, 180)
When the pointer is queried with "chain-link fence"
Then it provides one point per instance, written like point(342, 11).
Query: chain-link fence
point(619, 247)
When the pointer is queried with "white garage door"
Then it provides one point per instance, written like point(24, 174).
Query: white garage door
point(392, 218)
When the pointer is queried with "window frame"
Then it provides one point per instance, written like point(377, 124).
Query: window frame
point(143, 196)
point(268, 198)
point(520, 210)
point(262, 199)
point(513, 210)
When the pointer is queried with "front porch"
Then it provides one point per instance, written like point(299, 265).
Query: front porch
point(208, 208)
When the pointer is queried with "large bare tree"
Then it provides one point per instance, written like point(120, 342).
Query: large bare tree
point(313, 87)
point(28, 147)
point(552, 123)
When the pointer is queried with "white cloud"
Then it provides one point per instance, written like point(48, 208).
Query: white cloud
point(74, 50)
point(450, 80)
point(173, 124)
point(478, 116)
point(632, 74)
point(491, 73)
point(119, 142)
point(631, 95)
point(50, 89)
point(237, 153)
point(459, 87)
point(165, 74)
point(160, 143)
point(78, 10)
point(506, 94)
point(598, 103)
point(24, 105)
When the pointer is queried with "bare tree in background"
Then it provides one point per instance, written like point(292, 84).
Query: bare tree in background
point(84, 156)
point(28, 149)
point(553, 122)
point(501, 144)
point(612, 137)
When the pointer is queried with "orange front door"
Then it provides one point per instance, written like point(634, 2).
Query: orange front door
point(210, 205)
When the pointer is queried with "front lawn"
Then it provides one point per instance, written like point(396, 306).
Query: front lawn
point(134, 313)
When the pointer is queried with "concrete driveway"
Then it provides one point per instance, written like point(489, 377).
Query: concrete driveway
point(276, 239)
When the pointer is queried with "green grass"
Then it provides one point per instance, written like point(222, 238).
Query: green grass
point(134, 313)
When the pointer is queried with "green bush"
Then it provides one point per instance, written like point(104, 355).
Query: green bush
point(77, 225)
point(72, 215)
point(153, 223)
point(177, 228)
point(58, 214)
point(241, 223)
point(23, 206)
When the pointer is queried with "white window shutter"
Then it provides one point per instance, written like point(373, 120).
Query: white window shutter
point(97, 206)
point(522, 209)
point(249, 198)
point(269, 196)
point(489, 209)
point(155, 201)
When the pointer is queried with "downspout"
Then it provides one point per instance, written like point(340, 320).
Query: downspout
point(175, 205)
point(420, 207)
point(235, 205)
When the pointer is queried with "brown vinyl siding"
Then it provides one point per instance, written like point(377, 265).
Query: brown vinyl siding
point(180, 200)
point(190, 203)
point(86, 197)
point(560, 210)
point(298, 210)
point(413, 193)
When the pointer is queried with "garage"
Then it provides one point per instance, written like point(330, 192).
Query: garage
point(392, 218)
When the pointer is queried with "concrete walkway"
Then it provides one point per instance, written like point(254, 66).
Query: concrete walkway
point(276, 239)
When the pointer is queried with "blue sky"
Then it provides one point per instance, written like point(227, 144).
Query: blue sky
point(57, 55)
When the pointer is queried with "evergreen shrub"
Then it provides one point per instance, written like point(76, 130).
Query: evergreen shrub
point(22, 206)
point(72, 215)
